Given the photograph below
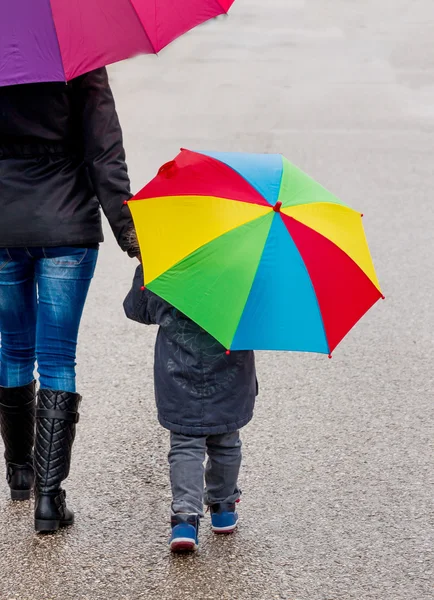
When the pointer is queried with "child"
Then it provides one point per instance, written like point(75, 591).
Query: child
point(204, 396)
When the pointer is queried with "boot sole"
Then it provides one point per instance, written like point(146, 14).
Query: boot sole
point(20, 494)
point(50, 525)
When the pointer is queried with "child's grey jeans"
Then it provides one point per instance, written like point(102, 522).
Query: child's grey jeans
point(186, 460)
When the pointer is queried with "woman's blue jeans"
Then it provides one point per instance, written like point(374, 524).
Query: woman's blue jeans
point(42, 296)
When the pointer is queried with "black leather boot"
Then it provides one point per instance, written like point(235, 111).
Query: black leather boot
point(17, 424)
point(56, 417)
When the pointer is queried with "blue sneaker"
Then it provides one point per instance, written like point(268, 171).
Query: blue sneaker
point(185, 531)
point(224, 518)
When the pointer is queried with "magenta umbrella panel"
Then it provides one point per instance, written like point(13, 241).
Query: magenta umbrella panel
point(57, 40)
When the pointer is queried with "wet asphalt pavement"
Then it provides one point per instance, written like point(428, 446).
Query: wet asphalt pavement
point(338, 462)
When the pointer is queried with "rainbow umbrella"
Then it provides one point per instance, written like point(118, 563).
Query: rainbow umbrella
point(254, 251)
point(57, 40)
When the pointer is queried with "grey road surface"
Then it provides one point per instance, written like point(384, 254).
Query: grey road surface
point(338, 470)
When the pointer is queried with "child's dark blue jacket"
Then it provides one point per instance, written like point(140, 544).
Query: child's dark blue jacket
point(199, 389)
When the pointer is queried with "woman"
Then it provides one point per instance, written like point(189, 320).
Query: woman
point(61, 158)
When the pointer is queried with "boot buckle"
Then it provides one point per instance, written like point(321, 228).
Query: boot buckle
point(9, 473)
point(60, 502)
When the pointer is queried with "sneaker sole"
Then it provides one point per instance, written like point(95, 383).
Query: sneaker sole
point(183, 545)
point(227, 529)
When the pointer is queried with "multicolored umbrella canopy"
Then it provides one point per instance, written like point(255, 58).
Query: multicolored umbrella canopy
point(254, 251)
point(57, 40)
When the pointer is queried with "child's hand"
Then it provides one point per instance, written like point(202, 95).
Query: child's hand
point(132, 244)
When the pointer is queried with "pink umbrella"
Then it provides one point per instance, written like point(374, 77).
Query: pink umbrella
point(57, 40)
